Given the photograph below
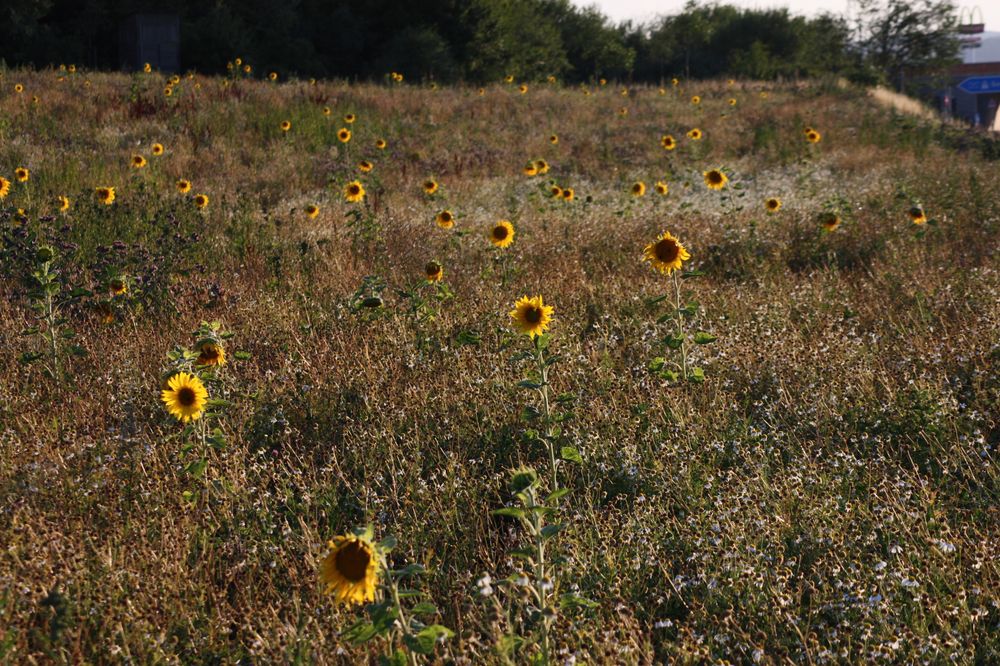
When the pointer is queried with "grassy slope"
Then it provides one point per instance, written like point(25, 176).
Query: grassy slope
point(800, 502)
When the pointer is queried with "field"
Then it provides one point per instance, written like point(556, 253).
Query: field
point(784, 451)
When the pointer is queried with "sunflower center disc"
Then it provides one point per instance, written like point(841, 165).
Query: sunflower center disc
point(186, 396)
point(666, 250)
point(352, 562)
point(500, 233)
point(533, 315)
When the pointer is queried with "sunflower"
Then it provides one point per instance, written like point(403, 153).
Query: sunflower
point(147, 68)
point(327, 110)
point(365, 166)
point(18, 88)
point(554, 139)
point(201, 200)
point(662, 188)
point(118, 286)
point(168, 91)
point(732, 101)
point(157, 149)
point(247, 69)
point(185, 396)
point(542, 166)
point(531, 315)
point(502, 234)
point(380, 144)
point(71, 69)
point(523, 88)
point(138, 161)
point(350, 570)
point(312, 210)
point(210, 353)
point(285, 125)
point(812, 136)
point(603, 82)
point(772, 205)
point(481, 92)
point(4, 187)
point(445, 219)
point(530, 169)
point(354, 191)
point(22, 174)
point(638, 189)
point(344, 134)
point(238, 61)
point(555, 191)
point(183, 186)
point(715, 179)
point(917, 215)
point(350, 118)
point(668, 142)
point(696, 100)
point(273, 76)
point(675, 82)
point(568, 194)
point(35, 99)
point(430, 186)
point(695, 134)
point(666, 254)
point(509, 78)
point(623, 111)
point(106, 195)
point(829, 220)
point(434, 271)
point(63, 204)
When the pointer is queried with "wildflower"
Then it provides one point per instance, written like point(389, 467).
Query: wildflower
point(201, 201)
point(286, 125)
point(666, 254)
point(106, 195)
point(344, 135)
point(502, 234)
point(157, 149)
point(138, 161)
point(530, 169)
point(715, 179)
point(523, 88)
point(185, 396)
point(312, 210)
point(18, 88)
point(434, 271)
point(732, 101)
point(380, 144)
point(542, 166)
point(917, 215)
point(829, 220)
point(365, 166)
point(273, 76)
point(555, 191)
point(568, 194)
point(168, 91)
point(63, 204)
point(350, 570)
point(772, 205)
point(430, 186)
point(812, 136)
point(696, 100)
point(350, 118)
point(531, 315)
point(668, 142)
point(118, 286)
point(638, 189)
point(210, 353)
point(22, 174)
point(554, 139)
point(662, 188)
point(445, 219)
point(327, 111)
point(695, 134)
point(354, 191)
point(183, 186)
point(4, 187)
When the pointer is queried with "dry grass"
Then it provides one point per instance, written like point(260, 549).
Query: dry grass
point(828, 495)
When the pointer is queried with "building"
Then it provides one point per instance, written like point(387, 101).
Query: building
point(150, 38)
point(974, 93)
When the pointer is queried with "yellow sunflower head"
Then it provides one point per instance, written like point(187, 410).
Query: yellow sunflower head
point(530, 169)
point(350, 118)
point(917, 215)
point(312, 210)
point(183, 186)
point(157, 149)
point(430, 186)
point(434, 271)
point(732, 101)
point(696, 100)
point(481, 92)
point(555, 191)
point(63, 204)
point(509, 78)
point(350, 570)
point(695, 134)
point(623, 111)
point(138, 161)
point(327, 110)
point(147, 68)
point(772, 205)
point(445, 219)
point(344, 135)
point(666, 254)
point(106, 195)
point(502, 234)
point(829, 220)
point(523, 88)
point(118, 286)
point(380, 144)
point(541, 166)
point(168, 91)
point(201, 200)
point(531, 315)
point(365, 166)
point(662, 188)
point(638, 189)
point(812, 136)
point(354, 191)
point(715, 179)
point(18, 88)
point(285, 125)
point(4, 187)
point(273, 76)
point(675, 82)
point(22, 174)
point(211, 353)
point(668, 142)
point(554, 139)
point(185, 396)
point(247, 69)
point(568, 194)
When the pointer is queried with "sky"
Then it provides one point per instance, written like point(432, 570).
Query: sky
point(641, 10)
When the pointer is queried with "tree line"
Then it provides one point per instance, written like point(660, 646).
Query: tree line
point(484, 40)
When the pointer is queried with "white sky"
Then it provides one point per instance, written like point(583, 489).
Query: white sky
point(641, 10)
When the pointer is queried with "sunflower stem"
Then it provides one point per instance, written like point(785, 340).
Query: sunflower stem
point(680, 325)
point(546, 406)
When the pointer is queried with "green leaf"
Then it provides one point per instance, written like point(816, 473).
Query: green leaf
point(550, 531)
point(528, 384)
point(565, 398)
point(656, 364)
point(242, 356)
point(197, 468)
point(689, 310)
point(465, 338)
point(424, 642)
point(530, 413)
point(687, 275)
point(653, 301)
point(673, 341)
point(76, 350)
point(361, 632)
point(424, 608)
point(665, 317)
point(669, 375)
point(30, 357)
point(397, 658)
point(570, 601)
point(697, 376)
point(511, 511)
point(387, 543)
point(524, 553)
point(703, 338)
point(556, 495)
point(570, 454)
point(409, 570)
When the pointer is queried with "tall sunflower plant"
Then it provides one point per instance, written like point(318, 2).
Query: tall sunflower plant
point(190, 387)
point(667, 255)
point(356, 571)
point(422, 302)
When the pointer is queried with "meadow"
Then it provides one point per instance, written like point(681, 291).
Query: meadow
point(229, 423)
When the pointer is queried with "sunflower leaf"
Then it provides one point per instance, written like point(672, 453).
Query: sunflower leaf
point(665, 317)
point(674, 341)
point(242, 356)
point(424, 608)
point(569, 601)
point(656, 364)
point(687, 275)
point(424, 642)
point(557, 494)
point(550, 531)
point(30, 357)
point(511, 511)
point(703, 338)
point(197, 468)
point(528, 384)
point(650, 302)
point(570, 454)
point(697, 376)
